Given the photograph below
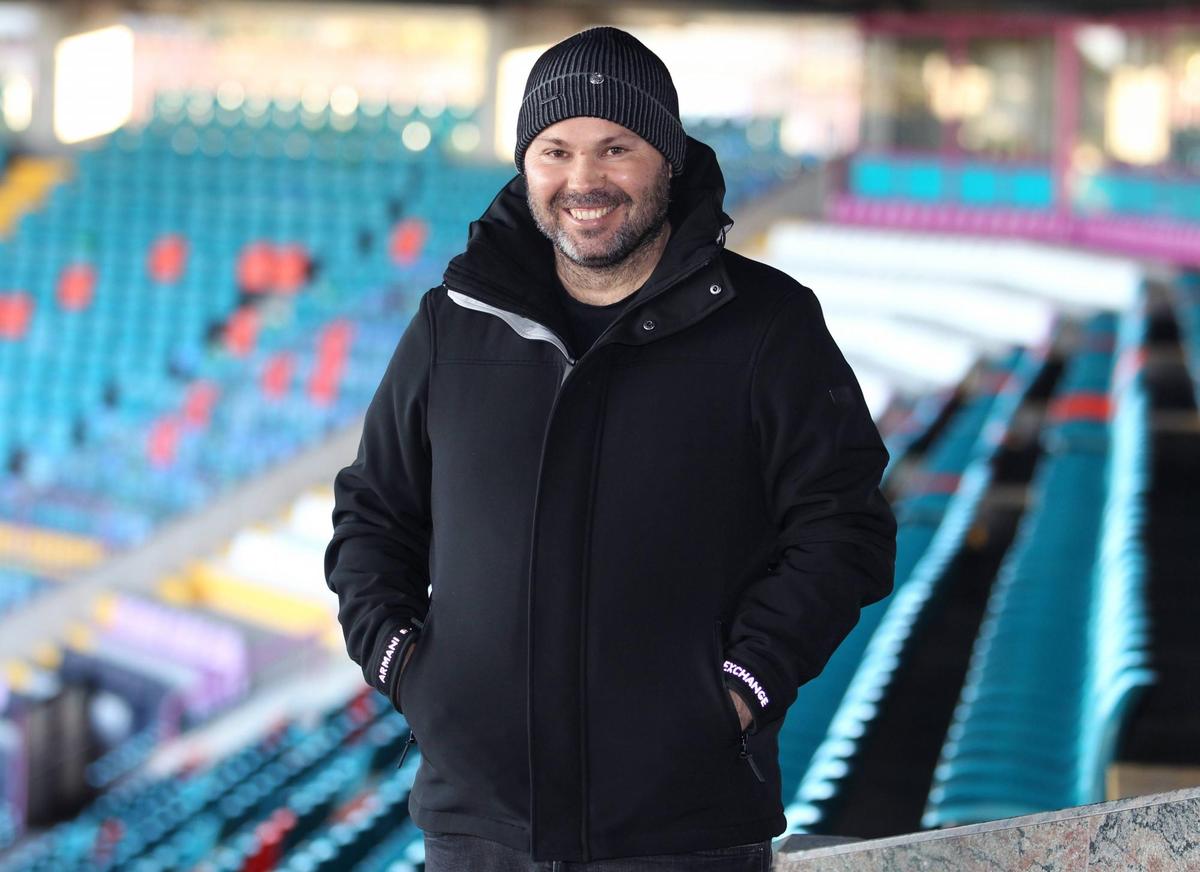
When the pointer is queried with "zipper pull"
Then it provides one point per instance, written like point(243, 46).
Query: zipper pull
point(749, 758)
point(412, 740)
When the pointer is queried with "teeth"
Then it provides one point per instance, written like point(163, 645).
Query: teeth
point(589, 214)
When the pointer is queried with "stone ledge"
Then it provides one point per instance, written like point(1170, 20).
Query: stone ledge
point(1159, 831)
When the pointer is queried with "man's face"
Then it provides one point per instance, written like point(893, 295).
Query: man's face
point(596, 189)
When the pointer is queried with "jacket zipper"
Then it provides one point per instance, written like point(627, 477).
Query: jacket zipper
point(412, 740)
point(527, 328)
point(749, 758)
point(530, 329)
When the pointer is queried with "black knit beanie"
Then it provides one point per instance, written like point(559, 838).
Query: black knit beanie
point(603, 72)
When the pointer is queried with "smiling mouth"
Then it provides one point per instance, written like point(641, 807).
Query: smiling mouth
point(585, 215)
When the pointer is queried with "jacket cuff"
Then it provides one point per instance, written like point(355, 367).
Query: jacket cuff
point(758, 685)
point(384, 667)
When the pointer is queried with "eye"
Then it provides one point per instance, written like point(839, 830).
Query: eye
point(618, 148)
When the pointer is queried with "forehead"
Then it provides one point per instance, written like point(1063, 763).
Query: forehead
point(585, 130)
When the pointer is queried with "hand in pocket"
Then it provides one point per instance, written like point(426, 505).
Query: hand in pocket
point(743, 710)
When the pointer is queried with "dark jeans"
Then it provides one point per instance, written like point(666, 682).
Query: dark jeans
point(458, 852)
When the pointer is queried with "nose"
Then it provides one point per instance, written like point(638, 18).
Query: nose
point(585, 174)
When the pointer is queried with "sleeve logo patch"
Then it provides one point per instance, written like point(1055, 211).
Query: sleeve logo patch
point(742, 673)
point(386, 663)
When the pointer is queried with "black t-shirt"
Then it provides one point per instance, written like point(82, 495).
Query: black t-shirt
point(586, 321)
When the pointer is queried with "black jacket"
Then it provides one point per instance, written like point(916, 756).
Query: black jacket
point(609, 539)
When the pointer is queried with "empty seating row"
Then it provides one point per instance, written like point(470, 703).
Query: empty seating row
point(833, 711)
point(291, 787)
point(1062, 647)
point(144, 669)
point(152, 377)
point(85, 713)
point(984, 184)
point(916, 424)
point(977, 183)
point(129, 318)
point(1119, 641)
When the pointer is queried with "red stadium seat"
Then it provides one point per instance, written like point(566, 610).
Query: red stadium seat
point(16, 310)
point(76, 284)
point(167, 259)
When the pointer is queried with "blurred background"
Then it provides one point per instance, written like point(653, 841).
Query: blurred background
point(216, 220)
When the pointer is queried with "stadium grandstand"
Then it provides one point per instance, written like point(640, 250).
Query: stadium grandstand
point(217, 219)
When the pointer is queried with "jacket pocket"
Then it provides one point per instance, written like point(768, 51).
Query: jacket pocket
point(730, 710)
point(419, 644)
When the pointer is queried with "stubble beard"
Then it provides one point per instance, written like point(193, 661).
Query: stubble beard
point(632, 234)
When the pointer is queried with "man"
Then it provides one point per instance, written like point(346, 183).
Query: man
point(643, 484)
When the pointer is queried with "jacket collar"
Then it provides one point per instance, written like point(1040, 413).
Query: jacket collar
point(509, 264)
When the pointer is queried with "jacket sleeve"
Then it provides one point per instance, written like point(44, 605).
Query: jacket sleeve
point(822, 460)
point(378, 559)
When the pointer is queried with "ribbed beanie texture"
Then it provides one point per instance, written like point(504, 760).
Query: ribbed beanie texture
point(606, 73)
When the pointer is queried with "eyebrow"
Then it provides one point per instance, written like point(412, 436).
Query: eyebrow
point(604, 141)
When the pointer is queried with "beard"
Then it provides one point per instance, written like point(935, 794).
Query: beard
point(641, 224)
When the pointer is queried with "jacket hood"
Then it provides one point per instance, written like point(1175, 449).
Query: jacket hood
point(509, 263)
